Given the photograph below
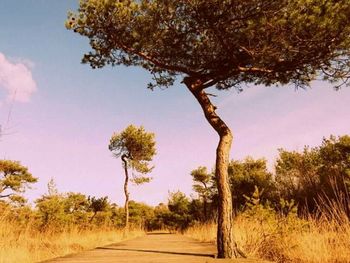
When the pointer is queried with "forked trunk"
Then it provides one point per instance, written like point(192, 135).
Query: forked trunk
point(226, 245)
point(126, 205)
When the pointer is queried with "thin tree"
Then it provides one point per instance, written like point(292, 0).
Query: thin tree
point(136, 148)
point(223, 44)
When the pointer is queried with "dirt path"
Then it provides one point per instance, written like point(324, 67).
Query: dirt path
point(154, 247)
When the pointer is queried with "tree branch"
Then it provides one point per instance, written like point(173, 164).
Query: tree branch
point(254, 69)
point(157, 62)
point(3, 196)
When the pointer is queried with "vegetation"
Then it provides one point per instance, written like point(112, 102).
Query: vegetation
point(136, 149)
point(280, 215)
point(59, 224)
point(315, 176)
point(14, 179)
point(283, 236)
point(298, 214)
point(23, 241)
point(201, 179)
point(245, 176)
point(223, 44)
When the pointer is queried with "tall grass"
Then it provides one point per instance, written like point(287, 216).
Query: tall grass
point(263, 233)
point(26, 243)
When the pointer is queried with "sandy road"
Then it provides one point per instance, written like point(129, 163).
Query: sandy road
point(152, 248)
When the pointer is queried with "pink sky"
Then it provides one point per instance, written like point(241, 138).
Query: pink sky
point(262, 119)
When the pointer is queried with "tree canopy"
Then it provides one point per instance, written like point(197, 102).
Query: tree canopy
point(14, 179)
point(222, 42)
point(201, 178)
point(137, 145)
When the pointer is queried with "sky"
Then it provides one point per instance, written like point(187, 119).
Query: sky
point(58, 115)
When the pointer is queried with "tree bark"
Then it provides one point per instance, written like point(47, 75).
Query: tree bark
point(226, 245)
point(126, 205)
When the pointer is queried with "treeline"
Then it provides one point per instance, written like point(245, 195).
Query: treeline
point(315, 181)
point(57, 212)
point(313, 178)
point(301, 180)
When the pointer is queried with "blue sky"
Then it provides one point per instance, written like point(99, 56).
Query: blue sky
point(64, 112)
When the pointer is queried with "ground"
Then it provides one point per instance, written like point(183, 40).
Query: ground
point(155, 248)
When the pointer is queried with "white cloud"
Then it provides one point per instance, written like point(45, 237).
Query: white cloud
point(16, 78)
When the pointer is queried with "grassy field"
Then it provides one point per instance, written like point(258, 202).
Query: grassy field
point(27, 244)
point(286, 239)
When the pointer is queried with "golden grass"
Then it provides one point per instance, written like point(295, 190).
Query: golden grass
point(286, 240)
point(25, 244)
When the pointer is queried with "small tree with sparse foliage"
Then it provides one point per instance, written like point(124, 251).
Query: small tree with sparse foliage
point(136, 148)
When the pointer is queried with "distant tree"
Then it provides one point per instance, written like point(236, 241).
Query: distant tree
point(178, 203)
point(221, 43)
point(245, 176)
point(196, 210)
point(136, 148)
point(76, 202)
point(14, 179)
point(52, 187)
point(179, 206)
point(51, 211)
point(98, 205)
point(334, 156)
point(117, 216)
point(297, 176)
point(318, 174)
point(201, 185)
point(77, 206)
point(161, 218)
point(141, 215)
point(334, 173)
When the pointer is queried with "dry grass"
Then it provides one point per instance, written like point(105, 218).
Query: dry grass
point(288, 239)
point(25, 244)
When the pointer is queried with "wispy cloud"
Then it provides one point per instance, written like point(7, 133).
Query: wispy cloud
point(16, 78)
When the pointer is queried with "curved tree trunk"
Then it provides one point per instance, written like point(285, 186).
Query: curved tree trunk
point(126, 205)
point(226, 245)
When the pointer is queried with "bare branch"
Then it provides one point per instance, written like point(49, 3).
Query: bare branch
point(4, 196)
